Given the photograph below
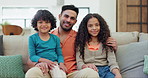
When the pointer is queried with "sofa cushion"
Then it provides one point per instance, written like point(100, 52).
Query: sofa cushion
point(11, 67)
point(16, 44)
point(1, 45)
point(143, 37)
point(125, 37)
point(130, 59)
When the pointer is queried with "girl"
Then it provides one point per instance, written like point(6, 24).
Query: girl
point(45, 47)
point(92, 50)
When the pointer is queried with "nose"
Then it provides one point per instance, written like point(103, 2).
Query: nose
point(94, 27)
point(68, 19)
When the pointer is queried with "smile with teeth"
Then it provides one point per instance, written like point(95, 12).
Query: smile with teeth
point(44, 28)
point(94, 32)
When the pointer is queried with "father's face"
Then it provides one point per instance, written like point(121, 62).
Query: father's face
point(67, 19)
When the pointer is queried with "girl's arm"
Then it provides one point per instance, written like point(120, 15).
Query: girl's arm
point(114, 68)
point(79, 60)
point(111, 58)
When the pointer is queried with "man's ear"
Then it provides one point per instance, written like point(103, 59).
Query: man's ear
point(75, 21)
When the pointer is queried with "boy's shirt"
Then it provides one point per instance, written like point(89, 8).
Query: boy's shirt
point(49, 49)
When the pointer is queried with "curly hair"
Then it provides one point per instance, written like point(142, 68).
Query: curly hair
point(83, 36)
point(44, 15)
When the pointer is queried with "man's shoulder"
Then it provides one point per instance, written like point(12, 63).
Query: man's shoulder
point(54, 31)
point(74, 33)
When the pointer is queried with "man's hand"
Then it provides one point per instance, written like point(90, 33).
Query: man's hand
point(112, 42)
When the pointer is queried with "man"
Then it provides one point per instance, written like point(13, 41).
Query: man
point(68, 18)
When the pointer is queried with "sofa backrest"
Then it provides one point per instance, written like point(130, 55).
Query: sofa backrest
point(16, 45)
point(143, 37)
point(125, 37)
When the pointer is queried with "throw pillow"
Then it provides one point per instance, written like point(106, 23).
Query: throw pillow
point(11, 67)
point(1, 45)
point(145, 69)
point(130, 59)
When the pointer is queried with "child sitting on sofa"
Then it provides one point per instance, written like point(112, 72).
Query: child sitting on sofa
point(92, 50)
point(45, 47)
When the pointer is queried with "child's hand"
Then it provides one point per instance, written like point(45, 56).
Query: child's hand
point(118, 76)
point(50, 64)
point(43, 67)
point(62, 67)
point(92, 66)
point(117, 73)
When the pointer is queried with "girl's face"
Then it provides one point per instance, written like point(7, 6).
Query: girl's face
point(43, 26)
point(93, 26)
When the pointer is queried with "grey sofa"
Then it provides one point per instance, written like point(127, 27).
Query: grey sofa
point(131, 63)
point(132, 46)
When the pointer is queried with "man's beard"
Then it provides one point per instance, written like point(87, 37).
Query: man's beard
point(66, 29)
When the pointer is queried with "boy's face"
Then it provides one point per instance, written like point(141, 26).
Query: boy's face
point(43, 26)
point(67, 19)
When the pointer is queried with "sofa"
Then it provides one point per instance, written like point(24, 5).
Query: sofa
point(132, 46)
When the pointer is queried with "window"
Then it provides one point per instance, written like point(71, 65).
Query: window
point(20, 16)
point(83, 11)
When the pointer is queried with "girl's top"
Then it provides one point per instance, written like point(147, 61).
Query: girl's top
point(93, 47)
point(97, 58)
point(49, 49)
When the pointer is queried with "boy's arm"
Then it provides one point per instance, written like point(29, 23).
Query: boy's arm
point(31, 49)
point(30, 63)
point(59, 51)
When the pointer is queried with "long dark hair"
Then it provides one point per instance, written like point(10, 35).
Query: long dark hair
point(83, 36)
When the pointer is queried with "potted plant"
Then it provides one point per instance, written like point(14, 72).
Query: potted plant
point(5, 23)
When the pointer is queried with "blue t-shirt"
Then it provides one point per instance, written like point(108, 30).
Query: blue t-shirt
point(49, 49)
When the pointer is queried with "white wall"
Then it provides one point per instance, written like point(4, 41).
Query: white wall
point(108, 11)
point(106, 8)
